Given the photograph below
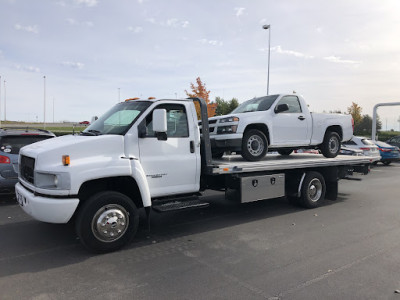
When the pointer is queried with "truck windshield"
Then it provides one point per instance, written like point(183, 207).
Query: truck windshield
point(256, 104)
point(118, 119)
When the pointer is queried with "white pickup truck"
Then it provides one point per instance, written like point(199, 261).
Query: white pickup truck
point(280, 123)
point(149, 154)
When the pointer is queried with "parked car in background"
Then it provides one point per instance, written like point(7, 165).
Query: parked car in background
point(11, 141)
point(350, 151)
point(394, 141)
point(85, 123)
point(388, 153)
point(365, 145)
point(310, 151)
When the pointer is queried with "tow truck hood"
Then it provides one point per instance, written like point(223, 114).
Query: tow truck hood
point(77, 147)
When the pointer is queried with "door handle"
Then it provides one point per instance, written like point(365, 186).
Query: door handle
point(301, 118)
point(191, 146)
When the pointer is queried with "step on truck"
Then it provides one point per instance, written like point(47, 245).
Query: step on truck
point(149, 154)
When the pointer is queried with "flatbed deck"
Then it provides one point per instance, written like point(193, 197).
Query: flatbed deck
point(271, 162)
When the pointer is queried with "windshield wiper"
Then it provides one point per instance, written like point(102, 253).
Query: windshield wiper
point(91, 132)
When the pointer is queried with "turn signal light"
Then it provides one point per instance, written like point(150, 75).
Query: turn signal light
point(66, 160)
point(4, 159)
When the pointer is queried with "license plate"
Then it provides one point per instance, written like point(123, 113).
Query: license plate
point(20, 199)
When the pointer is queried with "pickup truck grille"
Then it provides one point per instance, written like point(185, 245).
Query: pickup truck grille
point(27, 168)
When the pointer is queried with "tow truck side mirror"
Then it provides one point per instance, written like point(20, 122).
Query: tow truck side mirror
point(160, 124)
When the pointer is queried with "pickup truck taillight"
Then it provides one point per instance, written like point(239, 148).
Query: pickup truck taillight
point(4, 159)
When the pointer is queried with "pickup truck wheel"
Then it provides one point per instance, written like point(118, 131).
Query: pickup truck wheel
point(313, 190)
point(285, 151)
point(331, 145)
point(387, 162)
point(254, 145)
point(107, 221)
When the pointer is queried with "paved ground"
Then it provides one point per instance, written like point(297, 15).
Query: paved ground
point(346, 249)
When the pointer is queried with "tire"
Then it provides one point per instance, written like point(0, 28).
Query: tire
point(331, 144)
point(313, 190)
point(95, 214)
point(386, 162)
point(285, 151)
point(254, 145)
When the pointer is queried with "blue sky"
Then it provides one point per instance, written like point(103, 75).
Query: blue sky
point(96, 52)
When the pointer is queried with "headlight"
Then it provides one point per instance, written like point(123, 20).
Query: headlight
point(52, 181)
point(227, 129)
point(229, 119)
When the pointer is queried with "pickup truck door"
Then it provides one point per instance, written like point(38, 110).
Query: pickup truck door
point(292, 127)
point(171, 166)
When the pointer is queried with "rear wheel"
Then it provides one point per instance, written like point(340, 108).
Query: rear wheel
point(254, 145)
point(331, 144)
point(107, 221)
point(313, 190)
point(386, 162)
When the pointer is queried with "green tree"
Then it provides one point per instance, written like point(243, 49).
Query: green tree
point(225, 107)
point(365, 126)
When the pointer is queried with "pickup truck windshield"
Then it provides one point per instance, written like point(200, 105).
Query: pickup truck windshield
point(118, 119)
point(256, 104)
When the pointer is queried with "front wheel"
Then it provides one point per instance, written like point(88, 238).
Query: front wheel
point(331, 144)
point(107, 221)
point(254, 145)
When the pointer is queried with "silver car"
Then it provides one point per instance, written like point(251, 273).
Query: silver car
point(366, 145)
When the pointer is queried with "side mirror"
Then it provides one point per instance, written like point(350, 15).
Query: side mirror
point(160, 124)
point(281, 108)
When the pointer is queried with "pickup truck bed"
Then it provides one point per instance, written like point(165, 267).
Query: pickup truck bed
point(271, 162)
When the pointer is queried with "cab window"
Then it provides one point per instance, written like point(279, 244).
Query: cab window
point(177, 125)
point(292, 102)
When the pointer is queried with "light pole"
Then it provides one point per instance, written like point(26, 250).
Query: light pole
point(44, 102)
point(119, 95)
point(53, 109)
point(0, 101)
point(269, 51)
point(5, 102)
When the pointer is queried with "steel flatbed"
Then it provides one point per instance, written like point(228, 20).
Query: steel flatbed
point(236, 164)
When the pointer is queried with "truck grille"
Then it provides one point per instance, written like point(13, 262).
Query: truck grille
point(27, 168)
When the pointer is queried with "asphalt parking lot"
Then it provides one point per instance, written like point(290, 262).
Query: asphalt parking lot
point(345, 249)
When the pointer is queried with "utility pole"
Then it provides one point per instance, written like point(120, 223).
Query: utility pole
point(5, 102)
point(53, 109)
point(0, 101)
point(44, 102)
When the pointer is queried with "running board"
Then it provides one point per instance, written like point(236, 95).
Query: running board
point(179, 205)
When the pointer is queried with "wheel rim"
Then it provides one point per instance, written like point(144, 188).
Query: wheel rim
point(333, 144)
point(314, 190)
point(110, 223)
point(255, 145)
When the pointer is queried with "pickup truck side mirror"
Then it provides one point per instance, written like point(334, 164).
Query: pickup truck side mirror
point(160, 124)
point(281, 108)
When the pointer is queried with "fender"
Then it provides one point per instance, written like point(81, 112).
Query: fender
point(140, 177)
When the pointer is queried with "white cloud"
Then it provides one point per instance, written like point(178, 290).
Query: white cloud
point(88, 3)
point(74, 65)
point(137, 29)
point(211, 42)
point(319, 29)
point(28, 68)
point(339, 60)
point(29, 28)
point(74, 22)
point(278, 49)
point(239, 11)
point(173, 22)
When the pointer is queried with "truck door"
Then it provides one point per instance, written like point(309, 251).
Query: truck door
point(171, 166)
point(291, 127)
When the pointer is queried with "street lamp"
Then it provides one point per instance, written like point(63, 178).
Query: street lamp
point(5, 102)
point(269, 51)
point(44, 102)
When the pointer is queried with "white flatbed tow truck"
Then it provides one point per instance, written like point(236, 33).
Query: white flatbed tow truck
point(149, 154)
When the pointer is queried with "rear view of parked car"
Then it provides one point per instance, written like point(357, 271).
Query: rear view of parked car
point(388, 153)
point(11, 141)
point(364, 144)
